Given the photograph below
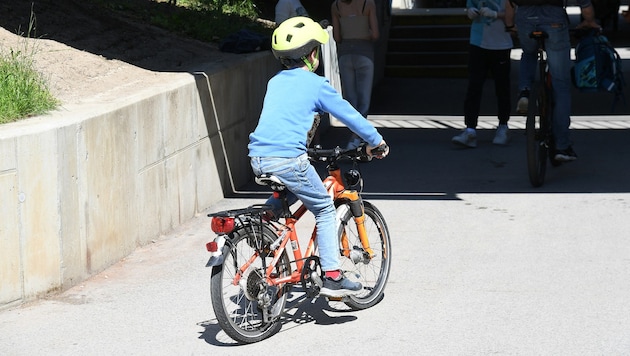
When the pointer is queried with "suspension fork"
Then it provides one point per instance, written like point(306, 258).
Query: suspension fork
point(338, 192)
point(358, 214)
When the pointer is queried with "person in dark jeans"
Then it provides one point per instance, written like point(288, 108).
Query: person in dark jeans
point(551, 18)
point(489, 52)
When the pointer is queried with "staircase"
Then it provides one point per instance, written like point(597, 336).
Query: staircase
point(428, 43)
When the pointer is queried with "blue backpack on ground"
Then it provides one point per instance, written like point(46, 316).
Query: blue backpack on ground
point(597, 67)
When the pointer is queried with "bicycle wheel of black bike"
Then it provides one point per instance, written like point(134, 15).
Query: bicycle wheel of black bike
point(536, 129)
point(245, 307)
point(371, 271)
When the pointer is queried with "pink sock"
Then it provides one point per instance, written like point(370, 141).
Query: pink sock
point(333, 274)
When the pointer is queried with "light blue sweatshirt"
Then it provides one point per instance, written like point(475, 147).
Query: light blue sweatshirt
point(489, 33)
point(293, 98)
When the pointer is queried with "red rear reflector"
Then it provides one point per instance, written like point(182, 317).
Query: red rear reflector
point(276, 195)
point(222, 224)
point(212, 246)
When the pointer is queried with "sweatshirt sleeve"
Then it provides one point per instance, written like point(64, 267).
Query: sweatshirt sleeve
point(332, 102)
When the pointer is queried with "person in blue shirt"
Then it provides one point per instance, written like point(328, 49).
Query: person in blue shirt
point(279, 142)
point(285, 9)
point(551, 18)
point(489, 51)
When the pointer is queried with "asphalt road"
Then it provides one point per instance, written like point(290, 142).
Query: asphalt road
point(482, 263)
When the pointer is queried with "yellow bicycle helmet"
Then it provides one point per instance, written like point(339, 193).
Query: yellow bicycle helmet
point(296, 37)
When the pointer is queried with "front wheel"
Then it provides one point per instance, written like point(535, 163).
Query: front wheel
point(246, 308)
point(371, 271)
point(537, 130)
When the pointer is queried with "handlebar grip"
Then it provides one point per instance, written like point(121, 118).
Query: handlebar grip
point(379, 150)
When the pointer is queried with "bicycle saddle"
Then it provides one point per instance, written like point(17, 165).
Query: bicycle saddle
point(270, 180)
point(539, 34)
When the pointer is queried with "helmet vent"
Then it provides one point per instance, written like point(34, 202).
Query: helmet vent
point(289, 37)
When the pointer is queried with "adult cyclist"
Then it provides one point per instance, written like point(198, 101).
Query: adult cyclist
point(550, 16)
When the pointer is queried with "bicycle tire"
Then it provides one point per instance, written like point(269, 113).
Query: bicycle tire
point(536, 127)
point(372, 273)
point(235, 306)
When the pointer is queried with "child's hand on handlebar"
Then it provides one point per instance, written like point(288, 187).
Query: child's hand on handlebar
point(380, 151)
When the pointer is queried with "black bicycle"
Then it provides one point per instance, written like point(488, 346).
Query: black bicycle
point(538, 127)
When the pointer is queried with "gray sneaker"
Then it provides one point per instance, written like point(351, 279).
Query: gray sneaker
point(340, 288)
point(467, 138)
point(502, 137)
point(566, 155)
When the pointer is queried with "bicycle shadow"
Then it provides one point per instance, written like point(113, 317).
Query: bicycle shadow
point(300, 310)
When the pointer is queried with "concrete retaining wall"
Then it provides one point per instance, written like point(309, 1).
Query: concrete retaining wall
point(81, 189)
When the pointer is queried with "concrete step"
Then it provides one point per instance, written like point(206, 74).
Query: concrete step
point(427, 17)
point(427, 71)
point(426, 58)
point(428, 43)
point(430, 31)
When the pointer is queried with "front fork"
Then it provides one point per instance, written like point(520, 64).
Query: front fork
point(356, 207)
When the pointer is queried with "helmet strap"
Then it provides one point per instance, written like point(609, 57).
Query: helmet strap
point(308, 62)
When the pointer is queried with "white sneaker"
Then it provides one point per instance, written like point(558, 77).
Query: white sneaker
point(467, 138)
point(502, 136)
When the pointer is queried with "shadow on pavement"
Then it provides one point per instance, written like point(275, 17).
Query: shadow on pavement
point(425, 165)
point(300, 310)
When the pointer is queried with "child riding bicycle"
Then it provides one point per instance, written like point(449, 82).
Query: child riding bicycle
point(278, 145)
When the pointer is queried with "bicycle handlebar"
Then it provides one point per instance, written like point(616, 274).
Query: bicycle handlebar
point(337, 153)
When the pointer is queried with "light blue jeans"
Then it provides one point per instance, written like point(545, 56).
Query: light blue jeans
point(356, 72)
point(302, 180)
point(558, 48)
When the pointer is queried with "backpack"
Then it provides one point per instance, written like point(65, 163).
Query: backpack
point(597, 67)
point(245, 41)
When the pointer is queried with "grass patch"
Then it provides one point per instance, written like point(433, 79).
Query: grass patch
point(23, 91)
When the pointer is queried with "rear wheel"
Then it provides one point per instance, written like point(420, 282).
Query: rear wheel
point(537, 131)
point(246, 308)
point(371, 271)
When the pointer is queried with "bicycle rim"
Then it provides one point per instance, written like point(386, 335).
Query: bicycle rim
point(237, 307)
point(535, 129)
point(373, 272)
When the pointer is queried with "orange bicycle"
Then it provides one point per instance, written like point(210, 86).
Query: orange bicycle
point(255, 261)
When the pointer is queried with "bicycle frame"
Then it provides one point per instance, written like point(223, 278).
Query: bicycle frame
point(545, 78)
point(288, 234)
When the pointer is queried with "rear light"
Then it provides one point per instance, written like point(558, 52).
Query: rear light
point(212, 246)
point(222, 224)
point(216, 247)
